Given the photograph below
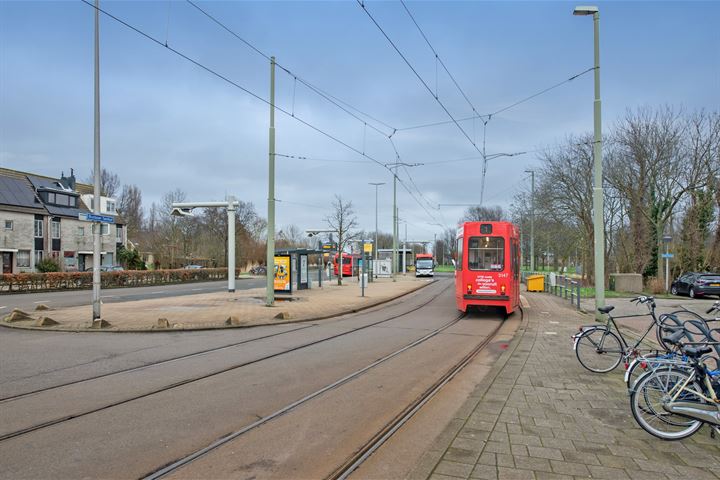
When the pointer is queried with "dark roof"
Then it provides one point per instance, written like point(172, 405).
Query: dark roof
point(45, 183)
point(17, 192)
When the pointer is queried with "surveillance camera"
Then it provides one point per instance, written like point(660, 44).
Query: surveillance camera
point(311, 234)
point(181, 212)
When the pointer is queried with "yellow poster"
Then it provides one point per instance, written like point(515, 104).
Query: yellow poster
point(282, 273)
point(368, 247)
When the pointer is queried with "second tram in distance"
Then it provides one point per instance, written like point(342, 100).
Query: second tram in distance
point(487, 269)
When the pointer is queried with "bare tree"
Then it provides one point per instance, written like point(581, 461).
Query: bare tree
point(109, 182)
point(130, 207)
point(342, 219)
point(484, 214)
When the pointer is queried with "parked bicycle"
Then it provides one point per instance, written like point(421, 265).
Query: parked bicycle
point(675, 401)
point(696, 328)
point(601, 348)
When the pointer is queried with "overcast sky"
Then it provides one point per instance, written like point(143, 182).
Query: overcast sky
point(168, 124)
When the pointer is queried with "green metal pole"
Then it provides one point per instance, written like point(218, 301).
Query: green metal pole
point(395, 230)
point(598, 221)
point(97, 238)
point(270, 260)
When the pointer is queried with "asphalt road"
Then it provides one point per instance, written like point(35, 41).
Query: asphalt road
point(128, 424)
point(72, 298)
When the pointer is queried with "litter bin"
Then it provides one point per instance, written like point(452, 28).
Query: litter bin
point(536, 283)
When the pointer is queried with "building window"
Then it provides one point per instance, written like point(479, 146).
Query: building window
point(81, 231)
point(23, 258)
point(104, 230)
point(118, 234)
point(55, 229)
point(38, 256)
point(38, 228)
point(110, 206)
point(8, 224)
point(51, 198)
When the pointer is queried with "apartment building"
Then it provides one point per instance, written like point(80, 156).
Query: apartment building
point(40, 218)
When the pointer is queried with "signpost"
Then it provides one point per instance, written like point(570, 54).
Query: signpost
point(667, 256)
point(91, 217)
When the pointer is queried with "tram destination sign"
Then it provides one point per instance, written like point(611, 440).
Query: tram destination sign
point(91, 217)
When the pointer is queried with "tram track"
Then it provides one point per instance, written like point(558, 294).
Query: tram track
point(209, 350)
point(165, 388)
point(182, 462)
point(389, 429)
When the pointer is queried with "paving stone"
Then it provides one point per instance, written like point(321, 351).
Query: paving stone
point(484, 472)
point(497, 447)
point(551, 476)
point(461, 455)
point(453, 469)
point(567, 468)
point(544, 452)
point(607, 473)
point(532, 463)
point(514, 474)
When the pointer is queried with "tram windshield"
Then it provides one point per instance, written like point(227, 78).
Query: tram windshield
point(486, 253)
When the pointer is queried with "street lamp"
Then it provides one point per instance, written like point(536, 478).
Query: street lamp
point(185, 210)
point(532, 221)
point(376, 185)
point(598, 209)
point(486, 158)
point(391, 166)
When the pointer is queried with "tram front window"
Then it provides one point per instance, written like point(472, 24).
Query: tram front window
point(486, 253)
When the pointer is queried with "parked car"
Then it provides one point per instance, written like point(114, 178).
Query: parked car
point(107, 268)
point(193, 267)
point(696, 284)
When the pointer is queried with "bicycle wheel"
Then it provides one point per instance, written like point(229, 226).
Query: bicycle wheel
point(647, 363)
point(646, 403)
point(599, 350)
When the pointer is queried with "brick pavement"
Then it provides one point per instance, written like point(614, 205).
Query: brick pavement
point(539, 415)
point(244, 307)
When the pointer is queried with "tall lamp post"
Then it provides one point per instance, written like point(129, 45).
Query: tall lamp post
point(598, 223)
point(376, 185)
point(185, 210)
point(393, 167)
point(487, 158)
point(532, 220)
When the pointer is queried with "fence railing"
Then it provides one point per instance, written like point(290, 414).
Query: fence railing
point(559, 285)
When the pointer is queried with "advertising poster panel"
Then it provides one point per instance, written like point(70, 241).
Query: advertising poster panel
point(282, 274)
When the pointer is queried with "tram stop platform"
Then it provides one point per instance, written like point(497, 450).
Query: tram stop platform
point(538, 414)
point(242, 308)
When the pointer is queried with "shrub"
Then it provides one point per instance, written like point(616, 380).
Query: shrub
point(47, 265)
point(655, 285)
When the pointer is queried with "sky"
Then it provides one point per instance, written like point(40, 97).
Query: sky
point(167, 123)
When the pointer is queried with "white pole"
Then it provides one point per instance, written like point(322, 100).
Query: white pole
point(231, 243)
point(97, 238)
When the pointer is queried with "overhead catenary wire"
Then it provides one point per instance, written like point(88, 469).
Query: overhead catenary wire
point(424, 83)
point(439, 59)
point(233, 83)
point(503, 109)
point(341, 104)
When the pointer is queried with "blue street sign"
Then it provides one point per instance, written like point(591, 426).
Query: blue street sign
point(668, 255)
point(91, 217)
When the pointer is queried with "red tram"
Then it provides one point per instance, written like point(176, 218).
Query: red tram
point(487, 270)
point(349, 264)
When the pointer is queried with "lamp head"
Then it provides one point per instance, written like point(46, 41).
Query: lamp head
point(585, 10)
point(181, 212)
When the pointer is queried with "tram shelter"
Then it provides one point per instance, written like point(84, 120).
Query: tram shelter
point(292, 269)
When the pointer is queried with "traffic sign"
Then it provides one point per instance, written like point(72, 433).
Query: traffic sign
point(91, 217)
point(368, 247)
point(668, 255)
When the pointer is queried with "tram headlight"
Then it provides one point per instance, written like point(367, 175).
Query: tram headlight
point(469, 288)
point(502, 289)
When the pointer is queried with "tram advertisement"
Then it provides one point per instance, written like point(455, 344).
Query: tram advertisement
point(282, 274)
point(485, 284)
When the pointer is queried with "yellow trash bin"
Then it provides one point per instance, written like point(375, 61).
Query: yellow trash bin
point(536, 283)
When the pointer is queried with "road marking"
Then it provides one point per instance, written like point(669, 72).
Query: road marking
point(550, 333)
point(4, 306)
point(109, 296)
point(553, 322)
point(41, 301)
point(154, 293)
point(197, 289)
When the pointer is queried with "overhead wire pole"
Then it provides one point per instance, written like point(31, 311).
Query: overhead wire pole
point(376, 185)
point(97, 238)
point(270, 254)
point(532, 220)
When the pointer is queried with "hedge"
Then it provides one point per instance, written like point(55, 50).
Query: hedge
point(29, 282)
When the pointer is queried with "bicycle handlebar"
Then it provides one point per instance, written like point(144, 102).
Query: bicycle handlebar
point(713, 307)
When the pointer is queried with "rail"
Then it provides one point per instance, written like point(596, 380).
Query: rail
point(559, 285)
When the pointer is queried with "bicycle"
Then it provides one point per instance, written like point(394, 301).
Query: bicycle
point(700, 331)
point(675, 402)
point(599, 349)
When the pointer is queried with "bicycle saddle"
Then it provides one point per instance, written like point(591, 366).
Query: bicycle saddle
point(697, 352)
point(605, 309)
